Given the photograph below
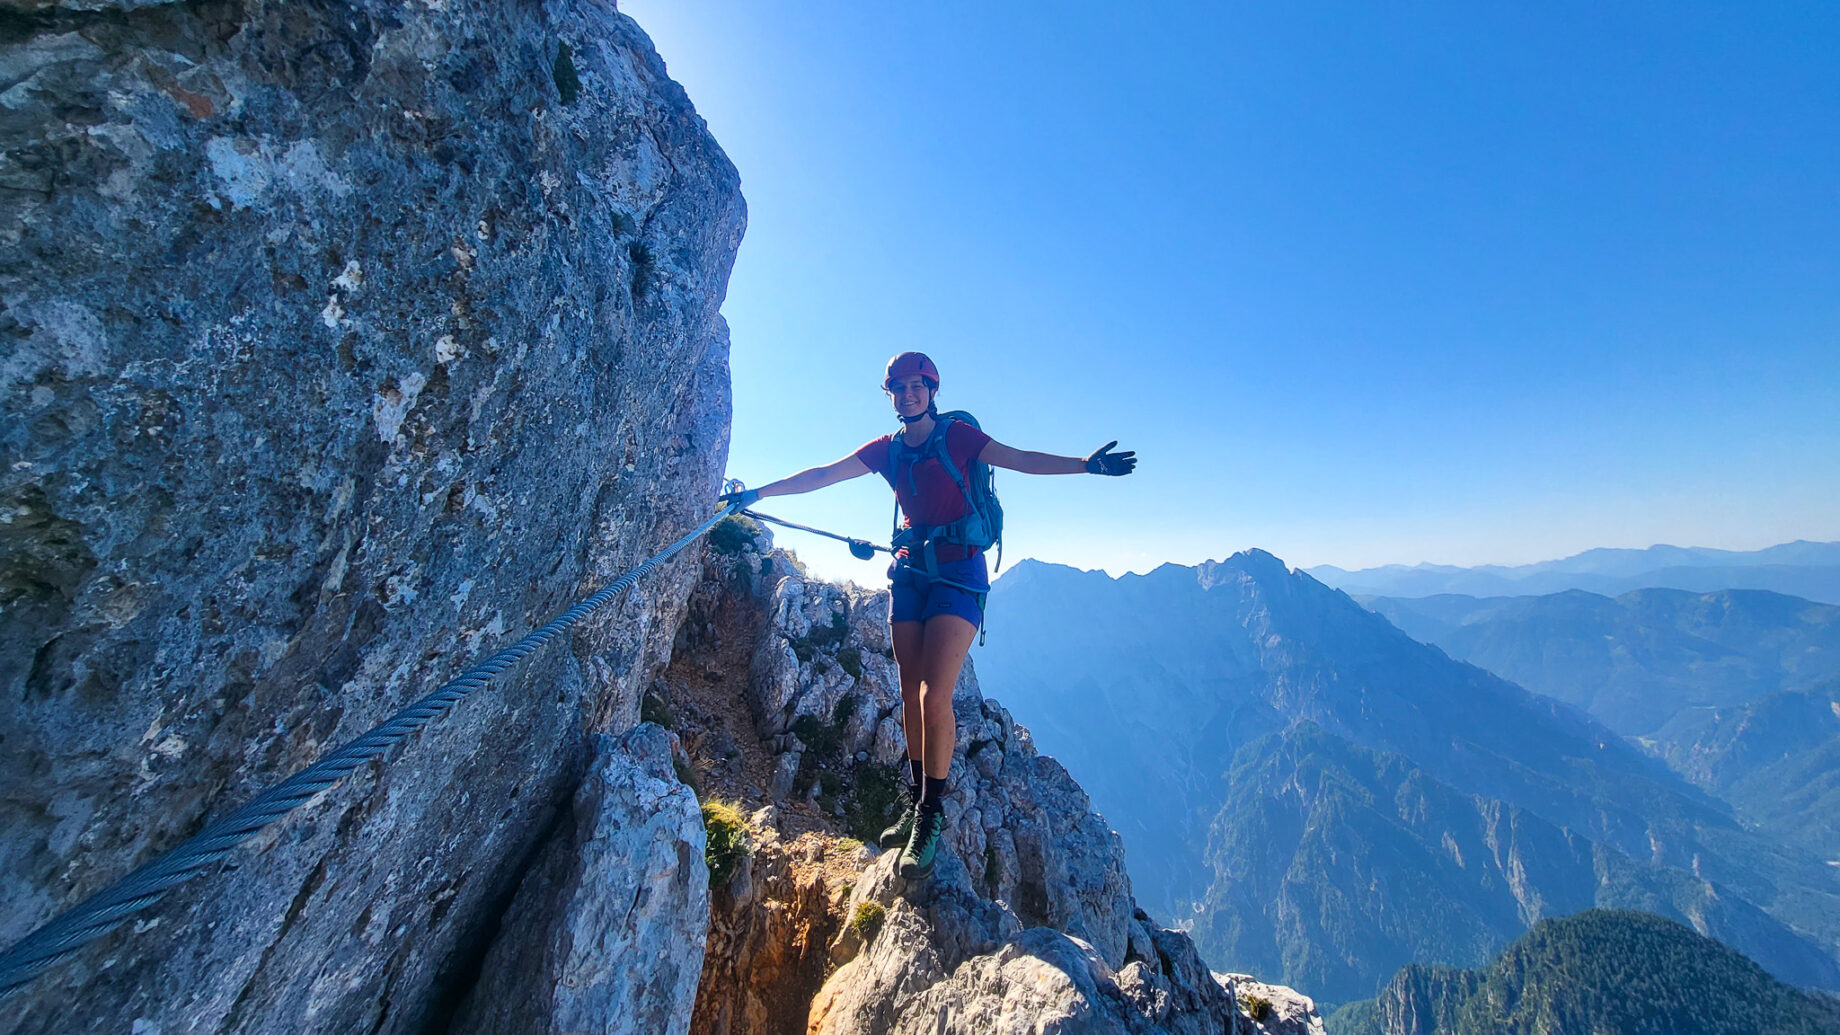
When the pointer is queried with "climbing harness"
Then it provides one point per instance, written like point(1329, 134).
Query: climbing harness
point(103, 911)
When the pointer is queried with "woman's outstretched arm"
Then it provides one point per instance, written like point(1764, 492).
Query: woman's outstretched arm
point(1102, 461)
point(817, 477)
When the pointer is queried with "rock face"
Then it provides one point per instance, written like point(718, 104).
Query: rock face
point(1028, 923)
point(606, 934)
point(1277, 1010)
point(344, 342)
point(945, 959)
point(770, 933)
point(1022, 825)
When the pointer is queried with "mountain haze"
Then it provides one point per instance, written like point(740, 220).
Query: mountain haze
point(1776, 760)
point(1803, 569)
point(1325, 798)
point(1637, 660)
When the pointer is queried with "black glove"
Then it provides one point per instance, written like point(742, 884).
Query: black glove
point(1102, 462)
point(743, 499)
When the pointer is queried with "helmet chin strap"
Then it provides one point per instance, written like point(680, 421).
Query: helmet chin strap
point(930, 411)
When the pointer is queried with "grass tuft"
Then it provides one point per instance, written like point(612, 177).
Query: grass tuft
point(867, 922)
point(727, 841)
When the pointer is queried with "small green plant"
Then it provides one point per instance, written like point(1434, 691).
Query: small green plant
point(727, 842)
point(826, 636)
point(867, 922)
point(990, 866)
point(653, 709)
point(819, 738)
point(823, 639)
point(641, 255)
point(732, 533)
point(568, 82)
point(829, 784)
point(1257, 1007)
point(848, 845)
point(851, 660)
point(871, 806)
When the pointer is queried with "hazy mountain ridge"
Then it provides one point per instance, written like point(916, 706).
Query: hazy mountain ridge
point(1776, 760)
point(1196, 664)
point(1805, 569)
point(1385, 865)
point(1636, 660)
point(1734, 689)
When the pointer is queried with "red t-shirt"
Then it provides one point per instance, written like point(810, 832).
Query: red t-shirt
point(930, 496)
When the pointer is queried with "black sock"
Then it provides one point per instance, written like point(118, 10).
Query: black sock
point(916, 772)
point(934, 796)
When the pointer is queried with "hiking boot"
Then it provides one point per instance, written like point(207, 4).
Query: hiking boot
point(896, 836)
point(922, 844)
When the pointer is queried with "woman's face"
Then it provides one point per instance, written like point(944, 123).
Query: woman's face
point(910, 394)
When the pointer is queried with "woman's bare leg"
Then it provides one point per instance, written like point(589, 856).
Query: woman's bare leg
point(943, 646)
point(909, 638)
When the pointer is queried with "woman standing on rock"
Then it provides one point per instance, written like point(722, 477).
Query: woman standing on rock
point(935, 466)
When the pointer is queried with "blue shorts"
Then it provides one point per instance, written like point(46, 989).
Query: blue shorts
point(915, 598)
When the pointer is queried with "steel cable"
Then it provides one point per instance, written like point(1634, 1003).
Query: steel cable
point(105, 910)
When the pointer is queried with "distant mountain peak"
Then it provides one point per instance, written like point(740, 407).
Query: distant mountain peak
point(1802, 568)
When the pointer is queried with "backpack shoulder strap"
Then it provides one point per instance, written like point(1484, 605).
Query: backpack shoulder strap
point(936, 443)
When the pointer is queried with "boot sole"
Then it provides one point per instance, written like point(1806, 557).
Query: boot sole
point(916, 872)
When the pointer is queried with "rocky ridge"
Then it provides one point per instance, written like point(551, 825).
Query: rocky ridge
point(1028, 923)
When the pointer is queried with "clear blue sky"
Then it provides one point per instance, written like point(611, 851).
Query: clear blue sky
point(1361, 284)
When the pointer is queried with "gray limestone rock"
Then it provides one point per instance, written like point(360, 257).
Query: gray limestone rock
point(606, 933)
point(1022, 827)
point(1028, 922)
point(343, 343)
point(946, 959)
point(1274, 1009)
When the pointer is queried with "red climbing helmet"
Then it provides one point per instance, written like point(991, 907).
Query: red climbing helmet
point(911, 363)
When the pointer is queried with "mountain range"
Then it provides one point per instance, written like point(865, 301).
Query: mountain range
point(1736, 690)
point(1608, 972)
point(1804, 569)
point(1319, 796)
point(1776, 760)
point(1637, 660)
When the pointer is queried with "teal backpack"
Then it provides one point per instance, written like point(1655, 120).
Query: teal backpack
point(981, 528)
